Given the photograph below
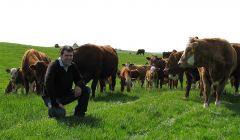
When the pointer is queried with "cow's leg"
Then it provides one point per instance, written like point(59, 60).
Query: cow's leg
point(113, 81)
point(207, 87)
point(102, 85)
point(32, 87)
point(219, 91)
point(161, 82)
point(122, 84)
point(26, 85)
point(189, 83)
point(236, 85)
point(93, 87)
point(181, 80)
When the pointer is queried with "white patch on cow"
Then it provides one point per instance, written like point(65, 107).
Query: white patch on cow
point(217, 103)
point(14, 73)
point(152, 69)
point(190, 60)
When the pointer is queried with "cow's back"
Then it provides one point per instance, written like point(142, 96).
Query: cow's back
point(89, 60)
point(110, 61)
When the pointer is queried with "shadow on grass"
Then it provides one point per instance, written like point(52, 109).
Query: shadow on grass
point(72, 121)
point(232, 103)
point(115, 97)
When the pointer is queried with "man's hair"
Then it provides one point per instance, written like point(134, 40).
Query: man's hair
point(66, 48)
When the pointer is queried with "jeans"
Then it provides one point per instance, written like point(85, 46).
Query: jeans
point(81, 107)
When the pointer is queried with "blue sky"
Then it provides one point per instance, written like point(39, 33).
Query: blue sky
point(154, 25)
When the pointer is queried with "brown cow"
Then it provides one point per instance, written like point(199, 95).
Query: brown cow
point(235, 77)
point(140, 51)
point(16, 81)
point(151, 77)
point(125, 78)
point(160, 64)
point(218, 59)
point(96, 63)
point(172, 68)
point(34, 66)
point(138, 72)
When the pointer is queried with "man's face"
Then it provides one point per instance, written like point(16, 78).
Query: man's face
point(67, 58)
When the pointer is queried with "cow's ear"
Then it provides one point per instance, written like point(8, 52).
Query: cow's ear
point(148, 58)
point(8, 70)
point(131, 64)
point(33, 67)
point(124, 65)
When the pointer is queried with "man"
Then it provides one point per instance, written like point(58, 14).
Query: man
point(59, 79)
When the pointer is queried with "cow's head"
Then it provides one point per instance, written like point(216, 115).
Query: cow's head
point(153, 60)
point(13, 72)
point(188, 58)
point(39, 70)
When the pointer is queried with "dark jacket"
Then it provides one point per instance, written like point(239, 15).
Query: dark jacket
point(59, 82)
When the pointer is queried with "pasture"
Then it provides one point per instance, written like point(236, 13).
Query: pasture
point(140, 114)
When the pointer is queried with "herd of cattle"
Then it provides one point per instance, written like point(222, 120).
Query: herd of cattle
point(211, 61)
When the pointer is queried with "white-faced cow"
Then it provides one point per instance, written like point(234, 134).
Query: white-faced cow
point(218, 60)
point(16, 81)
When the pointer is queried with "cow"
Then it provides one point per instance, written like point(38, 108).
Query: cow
point(96, 63)
point(159, 64)
point(140, 51)
point(151, 77)
point(16, 81)
point(235, 76)
point(217, 60)
point(138, 72)
point(172, 69)
point(125, 78)
point(34, 66)
point(56, 46)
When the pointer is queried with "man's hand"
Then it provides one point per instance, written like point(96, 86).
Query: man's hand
point(77, 91)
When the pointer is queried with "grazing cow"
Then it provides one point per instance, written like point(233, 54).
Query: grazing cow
point(16, 80)
point(235, 76)
point(151, 77)
point(96, 63)
point(218, 60)
point(159, 64)
point(140, 51)
point(34, 66)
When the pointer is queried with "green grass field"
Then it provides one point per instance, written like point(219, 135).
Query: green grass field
point(140, 114)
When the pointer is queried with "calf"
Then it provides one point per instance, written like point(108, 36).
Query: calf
point(151, 77)
point(16, 81)
point(125, 79)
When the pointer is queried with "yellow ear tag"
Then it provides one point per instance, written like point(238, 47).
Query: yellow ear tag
point(193, 50)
